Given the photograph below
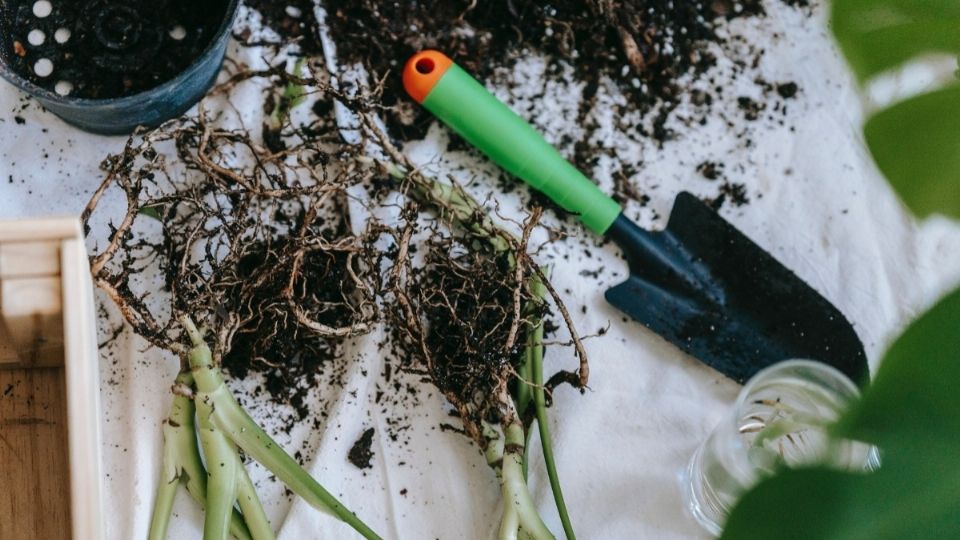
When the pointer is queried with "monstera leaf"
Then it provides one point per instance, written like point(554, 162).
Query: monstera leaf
point(878, 35)
point(911, 411)
point(916, 143)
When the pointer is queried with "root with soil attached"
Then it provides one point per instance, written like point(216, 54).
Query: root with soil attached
point(253, 246)
point(459, 314)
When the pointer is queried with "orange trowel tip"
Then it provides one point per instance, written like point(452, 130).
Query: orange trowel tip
point(422, 72)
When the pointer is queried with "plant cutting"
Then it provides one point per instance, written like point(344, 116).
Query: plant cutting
point(258, 249)
point(911, 410)
point(473, 319)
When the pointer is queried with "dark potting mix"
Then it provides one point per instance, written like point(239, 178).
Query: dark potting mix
point(102, 49)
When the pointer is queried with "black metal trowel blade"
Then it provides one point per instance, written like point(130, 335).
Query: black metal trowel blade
point(711, 291)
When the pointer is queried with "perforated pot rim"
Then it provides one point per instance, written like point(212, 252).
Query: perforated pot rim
point(14, 78)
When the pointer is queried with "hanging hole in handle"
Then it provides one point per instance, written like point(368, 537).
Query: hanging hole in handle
point(425, 66)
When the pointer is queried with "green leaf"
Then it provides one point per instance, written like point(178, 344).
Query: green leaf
point(878, 35)
point(913, 500)
point(912, 411)
point(916, 394)
point(912, 408)
point(293, 94)
point(151, 211)
point(916, 144)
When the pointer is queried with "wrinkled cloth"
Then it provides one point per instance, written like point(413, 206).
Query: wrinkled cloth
point(817, 203)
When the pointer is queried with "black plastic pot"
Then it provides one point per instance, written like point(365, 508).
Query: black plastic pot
point(117, 27)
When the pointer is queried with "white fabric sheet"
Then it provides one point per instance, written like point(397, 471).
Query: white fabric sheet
point(832, 219)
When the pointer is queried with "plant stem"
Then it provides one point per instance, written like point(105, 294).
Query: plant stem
point(293, 95)
point(253, 512)
point(222, 469)
point(539, 400)
point(179, 418)
point(515, 491)
point(227, 416)
point(494, 451)
point(526, 453)
point(535, 344)
point(163, 504)
point(182, 465)
point(509, 524)
point(186, 448)
point(523, 398)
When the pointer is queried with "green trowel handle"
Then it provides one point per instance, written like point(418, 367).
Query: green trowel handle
point(456, 98)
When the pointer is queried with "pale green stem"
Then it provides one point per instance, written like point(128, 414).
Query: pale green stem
point(235, 422)
point(449, 197)
point(510, 523)
point(792, 420)
point(222, 469)
point(526, 454)
point(523, 398)
point(182, 465)
point(187, 450)
point(293, 95)
point(228, 417)
point(170, 475)
point(163, 505)
point(515, 492)
point(535, 346)
point(253, 512)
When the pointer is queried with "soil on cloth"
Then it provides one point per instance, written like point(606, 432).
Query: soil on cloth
point(645, 46)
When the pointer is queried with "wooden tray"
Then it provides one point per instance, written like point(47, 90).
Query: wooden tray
point(49, 384)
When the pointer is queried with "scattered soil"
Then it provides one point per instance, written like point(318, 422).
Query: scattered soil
point(711, 170)
point(788, 90)
point(733, 192)
point(294, 20)
point(360, 453)
point(110, 48)
point(751, 108)
point(658, 53)
point(644, 46)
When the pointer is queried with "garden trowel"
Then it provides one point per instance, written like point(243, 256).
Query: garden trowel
point(700, 283)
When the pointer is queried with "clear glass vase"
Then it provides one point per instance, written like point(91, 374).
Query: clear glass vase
point(780, 419)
